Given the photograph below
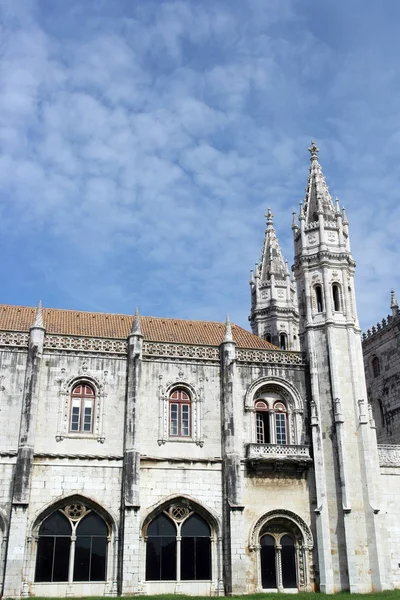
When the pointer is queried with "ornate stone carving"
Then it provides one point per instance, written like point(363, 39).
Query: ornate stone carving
point(389, 455)
point(278, 452)
point(269, 357)
point(306, 534)
point(85, 344)
point(14, 339)
point(153, 349)
point(196, 392)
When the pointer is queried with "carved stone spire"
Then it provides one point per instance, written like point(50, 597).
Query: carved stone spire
point(272, 260)
point(317, 199)
point(228, 332)
point(38, 323)
point(136, 330)
point(393, 304)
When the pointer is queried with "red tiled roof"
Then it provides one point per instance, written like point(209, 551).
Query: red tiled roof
point(154, 329)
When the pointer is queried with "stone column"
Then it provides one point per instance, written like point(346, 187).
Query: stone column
point(129, 537)
point(230, 459)
point(14, 563)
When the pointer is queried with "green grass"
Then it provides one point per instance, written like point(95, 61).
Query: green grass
point(389, 595)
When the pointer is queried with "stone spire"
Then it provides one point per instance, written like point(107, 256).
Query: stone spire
point(274, 314)
point(393, 304)
point(136, 330)
point(38, 323)
point(317, 199)
point(272, 261)
point(228, 331)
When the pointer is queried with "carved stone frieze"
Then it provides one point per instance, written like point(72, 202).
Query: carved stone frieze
point(270, 357)
point(389, 455)
point(155, 349)
point(85, 344)
point(8, 338)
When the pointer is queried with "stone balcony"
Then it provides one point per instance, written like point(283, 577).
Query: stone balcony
point(278, 456)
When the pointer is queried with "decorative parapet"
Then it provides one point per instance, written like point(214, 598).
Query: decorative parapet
point(19, 340)
point(278, 454)
point(86, 344)
point(163, 350)
point(270, 357)
point(389, 455)
point(385, 323)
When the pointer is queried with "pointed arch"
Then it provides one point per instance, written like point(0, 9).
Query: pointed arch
point(77, 498)
point(195, 505)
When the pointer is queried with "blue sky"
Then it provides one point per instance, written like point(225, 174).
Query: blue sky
point(142, 142)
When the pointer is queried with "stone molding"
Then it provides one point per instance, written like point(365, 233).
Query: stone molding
point(282, 357)
point(278, 452)
point(19, 340)
point(389, 455)
point(78, 456)
point(279, 514)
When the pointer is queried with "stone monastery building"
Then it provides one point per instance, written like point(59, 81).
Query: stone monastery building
point(144, 455)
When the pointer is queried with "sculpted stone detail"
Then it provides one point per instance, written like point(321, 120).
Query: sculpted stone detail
point(85, 344)
point(389, 456)
point(14, 339)
point(180, 350)
point(64, 393)
point(269, 357)
point(307, 537)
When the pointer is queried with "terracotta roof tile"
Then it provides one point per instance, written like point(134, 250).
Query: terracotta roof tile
point(154, 329)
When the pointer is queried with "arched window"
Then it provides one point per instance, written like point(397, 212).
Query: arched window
point(288, 557)
point(283, 341)
point(271, 418)
point(82, 405)
point(336, 297)
point(179, 414)
point(268, 562)
point(72, 546)
point(268, 337)
point(262, 422)
point(178, 546)
point(318, 297)
point(280, 423)
point(375, 366)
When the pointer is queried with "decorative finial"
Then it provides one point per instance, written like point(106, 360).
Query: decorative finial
point(294, 223)
point(136, 324)
point(344, 214)
point(228, 331)
point(251, 281)
point(39, 316)
point(393, 303)
point(269, 217)
point(337, 207)
point(301, 215)
point(256, 271)
point(313, 150)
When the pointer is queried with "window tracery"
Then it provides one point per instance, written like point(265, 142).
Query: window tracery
point(180, 416)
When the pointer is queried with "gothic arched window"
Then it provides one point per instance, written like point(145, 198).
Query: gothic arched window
point(178, 546)
point(72, 546)
point(318, 297)
point(82, 408)
point(375, 366)
point(283, 341)
point(180, 405)
point(336, 297)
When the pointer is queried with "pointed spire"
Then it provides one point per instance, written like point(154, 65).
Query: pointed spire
point(294, 223)
point(136, 324)
point(272, 261)
point(38, 323)
point(318, 199)
point(228, 331)
point(393, 303)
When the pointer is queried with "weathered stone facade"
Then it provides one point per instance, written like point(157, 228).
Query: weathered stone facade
point(144, 456)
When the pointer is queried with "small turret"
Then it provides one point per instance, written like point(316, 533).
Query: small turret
point(273, 295)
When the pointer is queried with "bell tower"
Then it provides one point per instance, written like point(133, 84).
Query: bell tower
point(351, 549)
point(274, 314)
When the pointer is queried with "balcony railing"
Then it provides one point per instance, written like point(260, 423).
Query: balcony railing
point(278, 454)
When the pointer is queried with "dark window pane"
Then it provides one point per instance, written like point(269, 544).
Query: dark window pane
point(153, 559)
point(99, 556)
point(288, 556)
point(92, 524)
point(44, 559)
point(55, 524)
point(82, 559)
point(267, 540)
point(188, 558)
point(268, 567)
point(203, 558)
point(195, 526)
point(162, 526)
point(196, 558)
point(168, 559)
point(161, 559)
point(61, 558)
